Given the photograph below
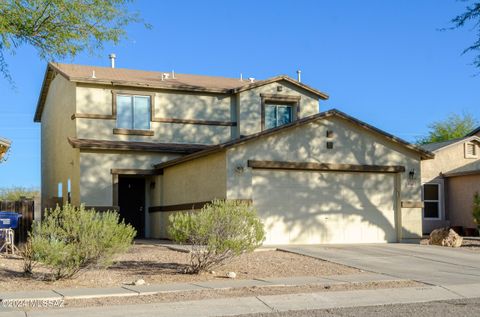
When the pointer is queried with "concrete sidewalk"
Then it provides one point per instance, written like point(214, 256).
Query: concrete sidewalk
point(132, 290)
point(267, 304)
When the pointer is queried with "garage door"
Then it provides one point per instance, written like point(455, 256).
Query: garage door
point(325, 207)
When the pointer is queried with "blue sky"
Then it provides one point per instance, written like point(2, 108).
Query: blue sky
point(384, 62)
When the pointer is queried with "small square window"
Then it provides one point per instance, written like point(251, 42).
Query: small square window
point(329, 145)
point(279, 88)
point(329, 134)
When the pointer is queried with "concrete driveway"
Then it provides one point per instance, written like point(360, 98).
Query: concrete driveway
point(428, 264)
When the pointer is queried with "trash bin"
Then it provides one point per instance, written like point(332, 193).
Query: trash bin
point(9, 220)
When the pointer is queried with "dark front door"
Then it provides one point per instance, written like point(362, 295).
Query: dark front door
point(131, 200)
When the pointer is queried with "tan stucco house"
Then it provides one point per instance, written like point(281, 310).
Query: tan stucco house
point(4, 146)
point(449, 182)
point(153, 143)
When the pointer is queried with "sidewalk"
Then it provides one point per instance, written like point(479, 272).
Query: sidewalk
point(132, 290)
point(267, 304)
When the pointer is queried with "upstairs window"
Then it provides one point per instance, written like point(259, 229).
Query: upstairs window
point(133, 112)
point(277, 115)
point(431, 201)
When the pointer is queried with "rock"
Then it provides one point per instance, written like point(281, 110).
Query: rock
point(139, 282)
point(231, 275)
point(445, 237)
point(212, 272)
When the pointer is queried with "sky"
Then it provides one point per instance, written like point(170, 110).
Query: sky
point(387, 63)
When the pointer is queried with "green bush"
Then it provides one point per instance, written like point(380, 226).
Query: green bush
point(71, 239)
point(476, 208)
point(217, 233)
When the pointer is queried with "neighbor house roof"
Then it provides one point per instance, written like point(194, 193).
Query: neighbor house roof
point(437, 146)
point(154, 79)
point(475, 131)
point(424, 154)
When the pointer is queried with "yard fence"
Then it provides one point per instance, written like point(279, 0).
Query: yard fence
point(25, 207)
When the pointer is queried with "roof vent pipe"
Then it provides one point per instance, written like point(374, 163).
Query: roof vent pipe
point(112, 59)
point(299, 76)
point(173, 74)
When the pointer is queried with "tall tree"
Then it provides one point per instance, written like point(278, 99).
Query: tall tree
point(61, 28)
point(471, 16)
point(454, 126)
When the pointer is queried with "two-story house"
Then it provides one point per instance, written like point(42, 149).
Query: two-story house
point(153, 143)
point(450, 182)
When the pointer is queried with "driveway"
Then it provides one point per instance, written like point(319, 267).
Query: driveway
point(427, 264)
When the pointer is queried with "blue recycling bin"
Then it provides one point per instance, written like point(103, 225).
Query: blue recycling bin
point(9, 220)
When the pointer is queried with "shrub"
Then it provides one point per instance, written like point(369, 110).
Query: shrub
point(71, 239)
point(476, 208)
point(217, 233)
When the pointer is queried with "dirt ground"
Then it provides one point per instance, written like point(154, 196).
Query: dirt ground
point(157, 264)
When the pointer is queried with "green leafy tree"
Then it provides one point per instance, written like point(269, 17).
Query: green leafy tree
point(471, 16)
point(61, 28)
point(454, 126)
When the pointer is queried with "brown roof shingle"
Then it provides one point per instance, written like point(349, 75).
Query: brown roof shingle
point(151, 79)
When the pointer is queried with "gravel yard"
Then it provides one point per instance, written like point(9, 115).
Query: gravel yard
point(158, 264)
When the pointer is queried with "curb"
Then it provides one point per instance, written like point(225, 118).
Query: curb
point(153, 289)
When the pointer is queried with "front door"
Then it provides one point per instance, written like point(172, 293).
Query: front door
point(131, 200)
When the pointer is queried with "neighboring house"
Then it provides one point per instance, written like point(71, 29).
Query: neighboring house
point(152, 143)
point(4, 146)
point(449, 182)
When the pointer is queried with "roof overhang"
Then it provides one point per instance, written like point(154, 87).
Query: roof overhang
point(102, 145)
point(286, 78)
point(472, 138)
point(320, 116)
point(52, 70)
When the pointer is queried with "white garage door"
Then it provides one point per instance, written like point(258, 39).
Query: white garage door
point(325, 207)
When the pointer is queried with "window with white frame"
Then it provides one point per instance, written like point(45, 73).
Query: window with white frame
point(133, 112)
point(431, 201)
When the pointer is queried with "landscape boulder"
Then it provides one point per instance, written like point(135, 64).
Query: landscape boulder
point(445, 237)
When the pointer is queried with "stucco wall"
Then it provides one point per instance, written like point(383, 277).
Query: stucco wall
point(196, 181)
point(203, 179)
point(249, 109)
point(460, 199)
point(352, 145)
point(95, 170)
point(217, 107)
point(59, 161)
point(449, 159)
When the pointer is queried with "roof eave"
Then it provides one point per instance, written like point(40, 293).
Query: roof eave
point(333, 112)
point(260, 83)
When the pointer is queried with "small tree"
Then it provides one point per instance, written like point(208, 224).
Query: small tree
point(476, 208)
point(217, 233)
point(71, 239)
point(454, 126)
